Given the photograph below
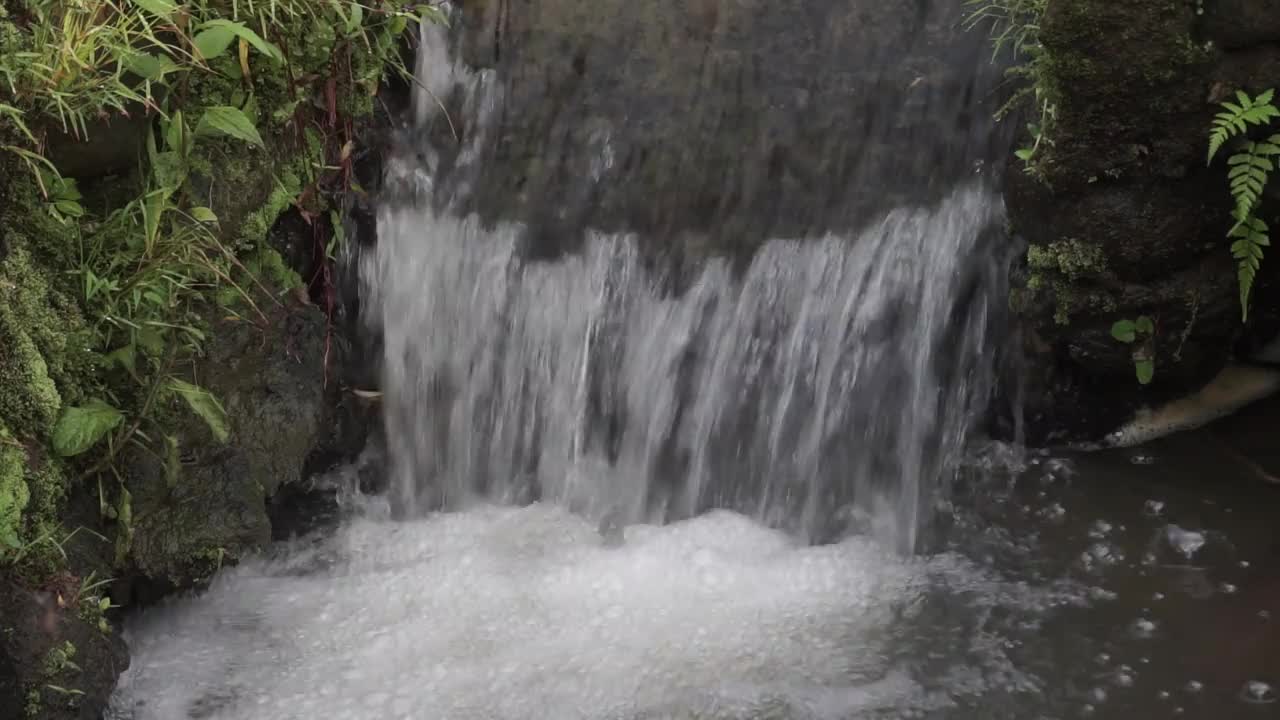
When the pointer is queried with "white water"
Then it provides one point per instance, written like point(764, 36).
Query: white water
point(836, 375)
point(517, 614)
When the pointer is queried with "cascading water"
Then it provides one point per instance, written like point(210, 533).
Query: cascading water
point(832, 379)
point(661, 451)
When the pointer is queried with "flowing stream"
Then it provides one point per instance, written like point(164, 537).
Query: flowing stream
point(627, 486)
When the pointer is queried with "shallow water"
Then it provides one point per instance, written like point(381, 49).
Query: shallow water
point(1113, 586)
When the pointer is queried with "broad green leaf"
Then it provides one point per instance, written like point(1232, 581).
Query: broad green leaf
point(160, 8)
point(1144, 325)
point(1124, 330)
point(153, 206)
point(203, 214)
point(227, 120)
point(262, 46)
point(148, 66)
point(213, 42)
point(70, 208)
point(1146, 370)
point(356, 18)
point(175, 132)
point(204, 404)
point(80, 428)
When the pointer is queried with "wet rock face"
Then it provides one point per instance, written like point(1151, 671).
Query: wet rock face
point(53, 665)
point(213, 509)
point(1124, 218)
point(737, 120)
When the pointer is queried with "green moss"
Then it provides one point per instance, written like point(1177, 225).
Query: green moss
point(1073, 258)
point(256, 225)
point(13, 490)
point(28, 398)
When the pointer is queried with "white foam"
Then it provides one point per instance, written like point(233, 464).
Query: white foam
point(498, 613)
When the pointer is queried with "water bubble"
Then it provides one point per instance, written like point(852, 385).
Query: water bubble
point(1153, 508)
point(1157, 596)
point(1257, 692)
point(1163, 695)
point(1100, 529)
point(1194, 686)
point(1227, 588)
point(1143, 628)
point(1186, 542)
point(1098, 695)
point(1124, 676)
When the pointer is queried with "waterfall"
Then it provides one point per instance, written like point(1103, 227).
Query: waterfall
point(822, 383)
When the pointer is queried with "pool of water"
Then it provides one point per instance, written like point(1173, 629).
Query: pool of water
point(1135, 583)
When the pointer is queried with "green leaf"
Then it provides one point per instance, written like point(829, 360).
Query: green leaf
point(70, 208)
point(356, 18)
point(148, 66)
point(1146, 370)
point(204, 404)
point(213, 42)
point(153, 207)
point(251, 37)
point(1144, 325)
point(175, 133)
point(203, 214)
point(80, 428)
point(1125, 331)
point(227, 120)
point(160, 8)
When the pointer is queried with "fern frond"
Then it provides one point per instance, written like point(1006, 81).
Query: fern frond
point(1251, 234)
point(1250, 170)
point(1238, 116)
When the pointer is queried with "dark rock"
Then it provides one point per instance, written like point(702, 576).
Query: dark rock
point(1242, 23)
point(721, 119)
point(53, 664)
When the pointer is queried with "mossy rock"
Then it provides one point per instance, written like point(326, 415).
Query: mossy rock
point(211, 509)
